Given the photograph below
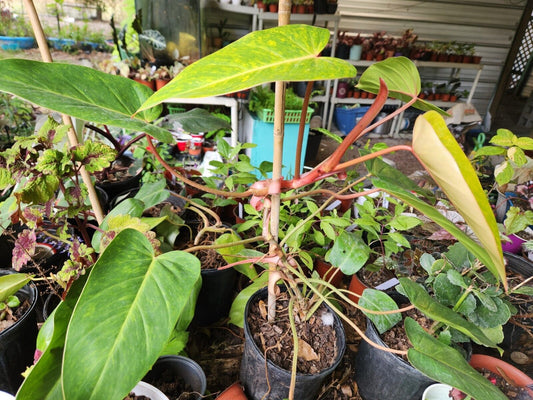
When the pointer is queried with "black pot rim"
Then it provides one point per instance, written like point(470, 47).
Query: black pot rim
point(326, 371)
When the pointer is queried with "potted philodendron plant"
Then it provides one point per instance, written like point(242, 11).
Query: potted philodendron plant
point(243, 64)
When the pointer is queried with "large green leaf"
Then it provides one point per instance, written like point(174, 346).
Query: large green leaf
point(377, 300)
point(125, 314)
point(198, 120)
point(443, 158)
point(236, 313)
point(44, 380)
point(132, 207)
point(438, 312)
point(349, 252)
point(285, 53)
point(402, 79)
point(82, 92)
point(447, 365)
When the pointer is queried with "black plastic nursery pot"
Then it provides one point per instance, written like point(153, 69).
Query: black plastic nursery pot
point(216, 295)
point(382, 375)
point(171, 369)
point(17, 343)
point(273, 384)
point(114, 188)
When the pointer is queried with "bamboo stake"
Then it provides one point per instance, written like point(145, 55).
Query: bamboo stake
point(284, 15)
point(72, 138)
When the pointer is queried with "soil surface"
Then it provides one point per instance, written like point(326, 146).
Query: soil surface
point(317, 350)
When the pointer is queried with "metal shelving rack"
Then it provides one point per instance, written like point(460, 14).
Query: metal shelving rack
point(258, 19)
point(395, 127)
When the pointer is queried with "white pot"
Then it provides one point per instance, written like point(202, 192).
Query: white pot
point(145, 389)
point(6, 396)
point(437, 391)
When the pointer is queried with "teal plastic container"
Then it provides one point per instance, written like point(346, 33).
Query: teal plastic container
point(261, 133)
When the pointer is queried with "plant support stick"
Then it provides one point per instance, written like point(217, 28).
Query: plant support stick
point(72, 138)
point(279, 122)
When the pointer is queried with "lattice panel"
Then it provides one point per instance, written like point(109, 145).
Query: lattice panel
point(523, 56)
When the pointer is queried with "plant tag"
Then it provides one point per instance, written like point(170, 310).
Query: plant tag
point(388, 284)
point(333, 205)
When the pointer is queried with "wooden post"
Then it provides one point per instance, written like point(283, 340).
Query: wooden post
point(72, 138)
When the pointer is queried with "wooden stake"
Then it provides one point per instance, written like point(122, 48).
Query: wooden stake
point(72, 138)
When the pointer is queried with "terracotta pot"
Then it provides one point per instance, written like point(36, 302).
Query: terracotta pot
point(300, 9)
point(261, 5)
point(234, 392)
point(445, 97)
point(217, 42)
point(476, 59)
point(328, 272)
point(467, 59)
point(453, 98)
point(273, 7)
point(369, 57)
point(356, 288)
point(159, 83)
point(502, 368)
point(356, 94)
point(150, 84)
point(442, 58)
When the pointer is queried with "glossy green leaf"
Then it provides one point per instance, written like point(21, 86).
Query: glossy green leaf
point(426, 262)
point(44, 380)
point(404, 222)
point(152, 193)
point(445, 364)
point(285, 53)
point(523, 142)
point(438, 312)
point(7, 208)
point(198, 120)
point(504, 137)
point(11, 283)
point(131, 302)
point(379, 168)
point(230, 254)
point(236, 313)
point(131, 206)
point(82, 92)
point(349, 252)
point(402, 79)
point(443, 158)
point(377, 300)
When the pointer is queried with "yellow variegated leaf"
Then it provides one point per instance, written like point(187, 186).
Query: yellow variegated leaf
point(442, 157)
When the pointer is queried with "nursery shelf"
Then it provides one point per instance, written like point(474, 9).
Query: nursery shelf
point(258, 17)
point(455, 69)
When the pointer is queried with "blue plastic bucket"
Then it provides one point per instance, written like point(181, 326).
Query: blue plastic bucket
point(346, 118)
